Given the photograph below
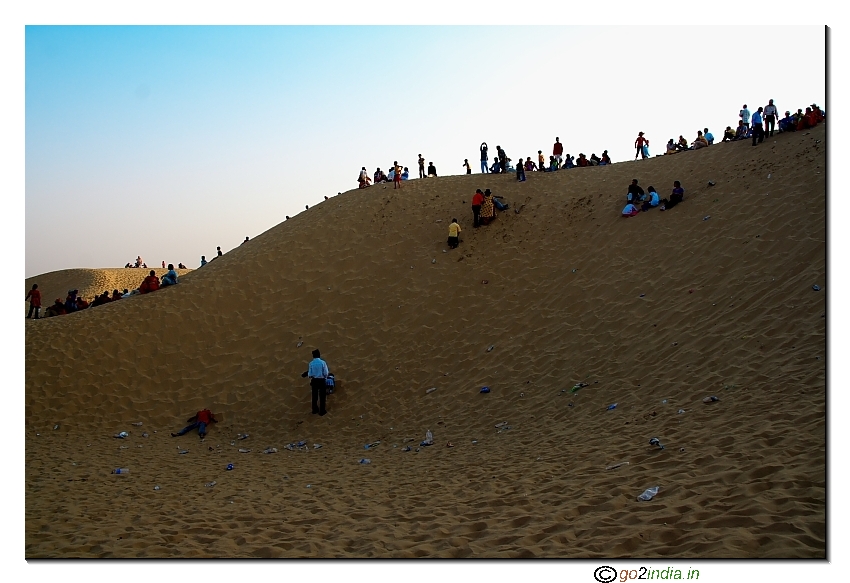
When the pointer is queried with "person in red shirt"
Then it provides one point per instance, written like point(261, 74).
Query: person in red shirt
point(477, 201)
point(34, 296)
point(558, 151)
point(396, 175)
point(150, 284)
point(200, 420)
point(582, 161)
point(639, 142)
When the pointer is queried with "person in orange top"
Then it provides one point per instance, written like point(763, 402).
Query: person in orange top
point(150, 284)
point(819, 117)
point(34, 296)
point(200, 420)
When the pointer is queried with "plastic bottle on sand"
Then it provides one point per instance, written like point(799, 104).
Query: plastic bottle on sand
point(121, 471)
point(648, 494)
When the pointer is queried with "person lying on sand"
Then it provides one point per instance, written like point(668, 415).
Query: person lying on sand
point(150, 283)
point(200, 420)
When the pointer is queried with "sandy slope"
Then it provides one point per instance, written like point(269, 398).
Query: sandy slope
point(743, 477)
point(88, 282)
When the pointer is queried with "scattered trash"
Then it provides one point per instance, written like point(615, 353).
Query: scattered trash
point(681, 449)
point(492, 346)
point(648, 494)
point(431, 390)
point(502, 424)
point(317, 446)
point(612, 406)
point(372, 445)
point(680, 411)
point(232, 442)
point(433, 261)
point(182, 451)
point(449, 444)
point(484, 281)
point(570, 404)
point(574, 270)
point(210, 484)
point(156, 487)
point(663, 401)
point(814, 287)
point(304, 442)
point(121, 435)
point(675, 344)
point(242, 436)
point(654, 441)
point(269, 450)
point(474, 441)
point(711, 399)
point(139, 424)
point(769, 174)
point(521, 395)
point(229, 467)
point(55, 427)
point(406, 448)
point(309, 485)
point(706, 217)
point(121, 471)
point(642, 295)
point(145, 434)
point(484, 390)
point(429, 438)
point(615, 466)
point(365, 460)
point(299, 344)
point(711, 183)
point(243, 450)
point(124, 447)
point(577, 386)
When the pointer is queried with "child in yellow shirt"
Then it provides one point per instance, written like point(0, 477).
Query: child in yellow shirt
point(454, 231)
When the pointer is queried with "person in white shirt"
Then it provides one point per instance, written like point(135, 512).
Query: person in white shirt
point(745, 116)
point(317, 370)
point(770, 117)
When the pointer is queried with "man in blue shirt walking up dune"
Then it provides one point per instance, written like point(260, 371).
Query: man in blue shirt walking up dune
point(317, 370)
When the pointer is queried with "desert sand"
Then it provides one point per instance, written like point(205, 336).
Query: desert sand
point(654, 313)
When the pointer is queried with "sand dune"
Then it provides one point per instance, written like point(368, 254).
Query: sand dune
point(654, 313)
point(89, 282)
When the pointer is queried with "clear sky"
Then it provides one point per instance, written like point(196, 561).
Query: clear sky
point(166, 141)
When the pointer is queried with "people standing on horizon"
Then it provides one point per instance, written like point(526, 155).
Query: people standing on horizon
point(558, 151)
point(318, 373)
point(758, 127)
point(163, 264)
point(466, 165)
point(484, 158)
point(520, 172)
point(744, 114)
point(421, 166)
point(396, 175)
point(34, 296)
point(639, 143)
point(204, 259)
point(245, 241)
point(771, 114)
point(503, 160)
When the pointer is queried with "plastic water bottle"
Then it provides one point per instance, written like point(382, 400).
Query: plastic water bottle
point(365, 460)
point(612, 406)
point(648, 494)
point(121, 471)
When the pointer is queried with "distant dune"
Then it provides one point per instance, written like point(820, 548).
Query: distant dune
point(654, 313)
point(88, 282)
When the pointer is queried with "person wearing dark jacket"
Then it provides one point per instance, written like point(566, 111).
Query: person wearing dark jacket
point(635, 191)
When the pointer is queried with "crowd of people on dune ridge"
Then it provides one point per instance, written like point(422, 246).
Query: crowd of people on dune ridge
point(74, 302)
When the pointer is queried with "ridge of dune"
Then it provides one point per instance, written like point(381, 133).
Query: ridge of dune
point(90, 282)
point(713, 297)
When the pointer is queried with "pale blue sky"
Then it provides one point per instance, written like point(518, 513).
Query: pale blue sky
point(166, 141)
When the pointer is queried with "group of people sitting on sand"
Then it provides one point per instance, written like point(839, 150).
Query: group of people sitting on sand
point(396, 174)
point(756, 126)
point(139, 263)
point(649, 200)
point(75, 303)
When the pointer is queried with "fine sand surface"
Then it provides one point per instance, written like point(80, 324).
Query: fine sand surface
point(663, 306)
point(89, 283)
